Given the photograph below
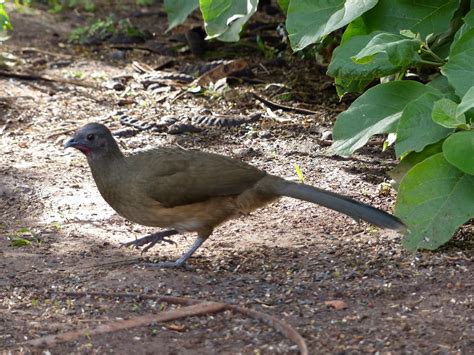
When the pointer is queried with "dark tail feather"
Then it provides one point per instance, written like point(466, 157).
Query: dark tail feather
point(340, 203)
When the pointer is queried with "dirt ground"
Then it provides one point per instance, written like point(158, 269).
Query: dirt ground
point(345, 287)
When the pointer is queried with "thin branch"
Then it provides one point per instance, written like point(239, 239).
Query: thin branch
point(192, 307)
point(276, 106)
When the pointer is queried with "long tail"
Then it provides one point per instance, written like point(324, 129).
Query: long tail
point(340, 203)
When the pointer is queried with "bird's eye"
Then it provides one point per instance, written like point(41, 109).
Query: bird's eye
point(90, 137)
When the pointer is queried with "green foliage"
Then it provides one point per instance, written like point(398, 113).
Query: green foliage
point(430, 120)
point(434, 199)
point(458, 150)
point(416, 128)
point(101, 30)
point(224, 19)
point(56, 6)
point(308, 21)
point(178, 10)
point(145, 2)
point(5, 24)
point(377, 111)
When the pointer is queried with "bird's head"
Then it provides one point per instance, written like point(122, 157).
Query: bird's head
point(94, 140)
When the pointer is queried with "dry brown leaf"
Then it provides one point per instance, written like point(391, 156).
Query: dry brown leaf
point(336, 304)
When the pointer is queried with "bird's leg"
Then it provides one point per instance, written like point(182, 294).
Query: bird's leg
point(152, 239)
point(181, 261)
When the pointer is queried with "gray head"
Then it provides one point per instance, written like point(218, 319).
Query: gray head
point(95, 141)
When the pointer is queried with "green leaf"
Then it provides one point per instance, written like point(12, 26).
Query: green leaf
point(458, 150)
point(308, 21)
point(344, 86)
point(19, 242)
point(342, 66)
point(284, 5)
point(434, 199)
point(413, 158)
point(444, 114)
point(178, 10)
point(467, 102)
point(299, 172)
point(416, 129)
point(355, 28)
point(376, 111)
point(422, 16)
point(223, 19)
point(468, 24)
point(460, 67)
point(440, 82)
point(401, 51)
point(5, 23)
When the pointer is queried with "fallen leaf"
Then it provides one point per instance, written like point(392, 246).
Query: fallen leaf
point(176, 327)
point(336, 304)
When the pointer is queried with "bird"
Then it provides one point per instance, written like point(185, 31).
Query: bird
point(182, 190)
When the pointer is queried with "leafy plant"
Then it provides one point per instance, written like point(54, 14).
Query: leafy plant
point(418, 58)
point(103, 29)
point(59, 5)
point(5, 23)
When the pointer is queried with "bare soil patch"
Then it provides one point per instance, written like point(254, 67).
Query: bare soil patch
point(345, 287)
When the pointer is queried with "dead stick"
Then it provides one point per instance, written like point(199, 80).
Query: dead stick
point(276, 106)
point(28, 76)
point(194, 310)
point(283, 327)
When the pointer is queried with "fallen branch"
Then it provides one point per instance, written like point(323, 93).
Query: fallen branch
point(192, 307)
point(194, 310)
point(276, 106)
point(28, 76)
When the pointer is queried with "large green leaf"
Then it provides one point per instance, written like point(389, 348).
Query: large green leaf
point(458, 149)
point(467, 102)
point(178, 10)
point(460, 67)
point(342, 66)
point(420, 16)
point(416, 129)
point(346, 85)
point(444, 114)
point(376, 111)
point(434, 199)
point(468, 24)
point(401, 51)
point(223, 19)
point(411, 159)
point(308, 21)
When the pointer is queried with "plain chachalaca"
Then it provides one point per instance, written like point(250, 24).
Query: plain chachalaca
point(193, 191)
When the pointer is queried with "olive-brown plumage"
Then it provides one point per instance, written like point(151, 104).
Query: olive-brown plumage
point(193, 191)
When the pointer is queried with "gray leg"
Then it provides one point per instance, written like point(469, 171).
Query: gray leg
point(182, 260)
point(152, 239)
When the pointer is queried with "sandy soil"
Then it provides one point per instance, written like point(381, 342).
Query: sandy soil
point(290, 260)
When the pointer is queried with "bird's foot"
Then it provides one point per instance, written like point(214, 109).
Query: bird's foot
point(151, 240)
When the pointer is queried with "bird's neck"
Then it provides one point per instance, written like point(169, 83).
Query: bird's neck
point(108, 171)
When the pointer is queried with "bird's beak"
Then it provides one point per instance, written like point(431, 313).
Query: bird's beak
point(71, 143)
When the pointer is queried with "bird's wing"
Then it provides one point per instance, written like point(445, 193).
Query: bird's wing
point(176, 177)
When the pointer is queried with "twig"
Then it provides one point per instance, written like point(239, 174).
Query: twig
point(193, 307)
point(28, 76)
point(276, 106)
point(194, 310)
point(37, 50)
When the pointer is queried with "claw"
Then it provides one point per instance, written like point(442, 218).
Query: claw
point(151, 240)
